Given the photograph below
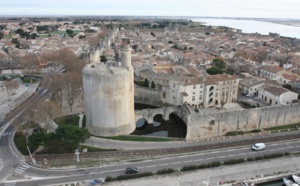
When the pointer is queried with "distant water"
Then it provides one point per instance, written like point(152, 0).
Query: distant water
point(251, 26)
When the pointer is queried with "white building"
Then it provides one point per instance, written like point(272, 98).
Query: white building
point(275, 95)
point(204, 92)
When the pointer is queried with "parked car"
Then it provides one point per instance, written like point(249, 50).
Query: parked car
point(131, 170)
point(258, 146)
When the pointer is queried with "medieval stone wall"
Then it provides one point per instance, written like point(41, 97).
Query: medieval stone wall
point(217, 124)
point(148, 96)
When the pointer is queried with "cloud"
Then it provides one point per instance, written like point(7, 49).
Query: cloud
point(216, 8)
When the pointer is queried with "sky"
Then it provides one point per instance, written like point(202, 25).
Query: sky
point(211, 8)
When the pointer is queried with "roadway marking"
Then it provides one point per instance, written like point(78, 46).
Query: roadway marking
point(273, 150)
point(198, 160)
point(175, 163)
point(10, 184)
point(231, 155)
point(209, 158)
point(20, 172)
point(188, 161)
point(163, 165)
point(151, 166)
point(24, 165)
point(230, 150)
point(242, 154)
point(22, 168)
point(221, 157)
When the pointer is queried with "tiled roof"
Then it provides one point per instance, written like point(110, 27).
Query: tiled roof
point(275, 90)
point(273, 69)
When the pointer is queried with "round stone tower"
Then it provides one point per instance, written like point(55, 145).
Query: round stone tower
point(109, 96)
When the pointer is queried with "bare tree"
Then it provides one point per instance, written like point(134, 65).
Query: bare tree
point(15, 56)
point(29, 122)
point(68, 59)
point(31, 64)
point(72, 87)
point(10, 87)
point(46, 112)
point(94, 40)
point(56, 89)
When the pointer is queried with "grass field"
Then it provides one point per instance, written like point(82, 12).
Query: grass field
point(139, 138)
point(283, 127)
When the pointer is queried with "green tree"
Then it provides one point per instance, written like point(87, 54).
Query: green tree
point(1, 35)
point(287, 86)
point(103, 59)
point(214, 70)
point(153, 84)
point(34, 35)
point(135, 47)
point(72, 134)
point(146, 83)
point(69, 32)
point(38, 138)
point(15, 41)
point(230, 71)
point(19, 30)
point(218, 63)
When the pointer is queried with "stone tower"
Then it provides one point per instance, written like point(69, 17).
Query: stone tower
point(109, 95)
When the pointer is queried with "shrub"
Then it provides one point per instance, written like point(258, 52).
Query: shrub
point(132, 176)
point(255, 131)
point(259, 158)
point(233, 161)
point(234, 133)
point(250, 159)
point(189, 167)
point(274, 155)
point(109, 178)
point(165, 171)
point(20, 141)
point(216, 164)
point(202, 166)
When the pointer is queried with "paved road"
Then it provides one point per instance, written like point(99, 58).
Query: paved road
point(9, 158)
point(133, 145)
point(175, 162)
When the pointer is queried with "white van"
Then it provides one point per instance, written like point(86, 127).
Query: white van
point(258, 146)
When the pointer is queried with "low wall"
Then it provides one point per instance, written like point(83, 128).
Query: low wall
point(217, 124)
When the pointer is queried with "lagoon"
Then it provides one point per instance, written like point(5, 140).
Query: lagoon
point(253, 26)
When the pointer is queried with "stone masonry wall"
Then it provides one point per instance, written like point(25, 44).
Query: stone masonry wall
point(147, 96)
point(217, 124)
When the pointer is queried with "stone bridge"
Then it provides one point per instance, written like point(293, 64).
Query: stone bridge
point(148, 114)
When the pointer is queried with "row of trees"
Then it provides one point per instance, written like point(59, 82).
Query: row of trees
point(66, 136)
point(145, 83)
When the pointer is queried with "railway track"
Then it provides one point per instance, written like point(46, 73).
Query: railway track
point(132, 154)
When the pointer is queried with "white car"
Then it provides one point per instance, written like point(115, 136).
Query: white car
point(258, 146)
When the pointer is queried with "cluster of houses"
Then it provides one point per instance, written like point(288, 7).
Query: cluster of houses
point(265, 66)
point(176, 60)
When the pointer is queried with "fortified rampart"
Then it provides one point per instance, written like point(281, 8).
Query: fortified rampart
point(147, 96)
point(217, 124)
